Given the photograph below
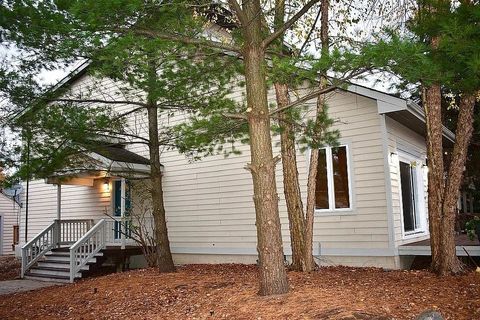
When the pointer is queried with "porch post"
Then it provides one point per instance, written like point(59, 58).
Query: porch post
point(59, 212)
point(123, 224)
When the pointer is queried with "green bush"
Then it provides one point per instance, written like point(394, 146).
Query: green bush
point(471, 227)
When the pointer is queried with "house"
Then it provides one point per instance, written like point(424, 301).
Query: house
point(371, 196)
point(9, 212)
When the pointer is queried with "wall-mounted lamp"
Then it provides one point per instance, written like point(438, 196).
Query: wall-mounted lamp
point(393, 157)
point(106, 186)
point(425, 168)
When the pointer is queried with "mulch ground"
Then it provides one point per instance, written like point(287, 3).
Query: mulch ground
point(229, 292)
point(9, 268)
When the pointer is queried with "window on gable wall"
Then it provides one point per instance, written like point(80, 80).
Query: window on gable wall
point(333, 190)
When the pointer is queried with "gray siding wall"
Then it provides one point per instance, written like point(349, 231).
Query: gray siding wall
point(209, 202)
point(8, 214)
point(403, 140)
point(78, 202)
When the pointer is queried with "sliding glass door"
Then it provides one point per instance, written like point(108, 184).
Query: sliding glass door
point(412, 196)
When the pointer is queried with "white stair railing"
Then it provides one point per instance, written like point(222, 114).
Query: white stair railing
point(87, 247)
point(125, 231)
point(38, 246)
point(57, 233)
point(73, 229)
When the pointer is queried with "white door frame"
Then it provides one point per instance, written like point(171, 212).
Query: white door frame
point(419, 203)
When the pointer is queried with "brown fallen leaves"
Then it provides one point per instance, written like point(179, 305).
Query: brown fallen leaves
point(9, 268)
point(229, 292)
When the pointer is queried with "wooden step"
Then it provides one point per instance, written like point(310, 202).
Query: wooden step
point(60, 265)
point(39, 271)
point(67, 253)
point(49, 278)
point(65, 259)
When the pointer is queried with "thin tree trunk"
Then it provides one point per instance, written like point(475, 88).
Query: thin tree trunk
point(273, 277)
point(165, 260)
point(432, 106)
point(291, 186)
point(311, 185)
point(313, 165)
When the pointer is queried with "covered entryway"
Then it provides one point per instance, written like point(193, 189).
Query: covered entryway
point(69, 247)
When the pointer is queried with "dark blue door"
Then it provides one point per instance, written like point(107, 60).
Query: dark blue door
point(117, 208)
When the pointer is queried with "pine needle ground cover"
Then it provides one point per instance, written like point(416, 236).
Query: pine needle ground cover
point(229, 292)
point(9, 268)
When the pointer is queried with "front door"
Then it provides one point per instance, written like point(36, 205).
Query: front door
point(117, 209)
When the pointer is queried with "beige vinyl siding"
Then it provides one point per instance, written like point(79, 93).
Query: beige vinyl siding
point(209, 202)
point(402, 139)
point(365, 226)
point(8, 214)
point(78, 202)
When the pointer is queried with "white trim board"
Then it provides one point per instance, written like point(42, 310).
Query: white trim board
point(388, 182)
point(357, 252)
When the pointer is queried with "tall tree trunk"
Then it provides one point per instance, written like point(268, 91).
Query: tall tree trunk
point(443, 193)
point(165, 260)
point(449, 262)
point(432, 100)
point(273, 277)
point(313, 165)
point(291, 186)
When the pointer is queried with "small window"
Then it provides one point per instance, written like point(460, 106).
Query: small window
point(333, 190)
point(321, 189)
point(16, 236)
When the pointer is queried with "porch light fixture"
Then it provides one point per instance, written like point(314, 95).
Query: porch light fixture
point(393, 157)
point(425, 169)
point(106, 186)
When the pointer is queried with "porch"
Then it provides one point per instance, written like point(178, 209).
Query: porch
point(87, 237)
point(70, 249)
point(422, 248)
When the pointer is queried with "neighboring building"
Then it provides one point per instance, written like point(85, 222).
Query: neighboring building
point(9, 212)
point(371, 195)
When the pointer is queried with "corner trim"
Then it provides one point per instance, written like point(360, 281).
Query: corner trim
point(388, 183)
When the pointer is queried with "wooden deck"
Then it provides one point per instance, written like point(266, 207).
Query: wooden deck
point(422, 248)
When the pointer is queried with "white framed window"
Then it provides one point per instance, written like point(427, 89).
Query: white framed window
point(333, 191)
point(412, 195)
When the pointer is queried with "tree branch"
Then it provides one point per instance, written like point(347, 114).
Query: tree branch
point(238, 11)
point(235, 116)
point(136, 103)
point(182, 39)
point(116, 133)
point(307, 38)
point(305, 98)
point(288, 24)
point(122, 115)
